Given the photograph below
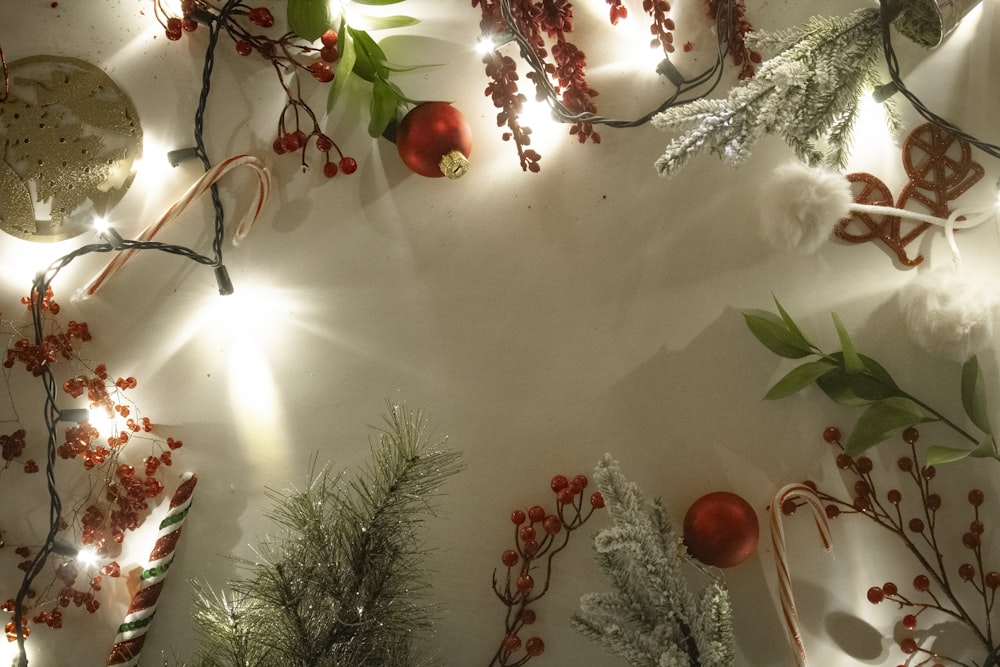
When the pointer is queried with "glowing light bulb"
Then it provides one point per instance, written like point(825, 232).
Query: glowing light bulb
point(101, 225)
point(87, 557)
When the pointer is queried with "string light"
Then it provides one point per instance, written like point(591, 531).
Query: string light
point(40, 286)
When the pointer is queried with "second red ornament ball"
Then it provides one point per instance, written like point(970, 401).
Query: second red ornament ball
point(434, 140)
point(721, 529)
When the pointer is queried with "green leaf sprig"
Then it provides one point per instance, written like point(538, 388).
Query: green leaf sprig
point(360, 54)
point(851, 378)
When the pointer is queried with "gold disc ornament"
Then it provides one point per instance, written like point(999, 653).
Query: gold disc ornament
point(70, 137)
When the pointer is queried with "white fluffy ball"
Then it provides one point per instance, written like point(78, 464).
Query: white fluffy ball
point(800, 206)
point(948, 314)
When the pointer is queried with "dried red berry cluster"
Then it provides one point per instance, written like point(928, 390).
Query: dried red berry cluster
point(920, 533)
point(662, 26)
point(287, 54)
point(538, 537)
point(743, 56)
point(12, 445)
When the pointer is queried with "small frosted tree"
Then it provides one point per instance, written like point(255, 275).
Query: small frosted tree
point(651, 619)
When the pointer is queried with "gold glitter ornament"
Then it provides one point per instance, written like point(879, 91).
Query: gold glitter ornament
point(70, 138)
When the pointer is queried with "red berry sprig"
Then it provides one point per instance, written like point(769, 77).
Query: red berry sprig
point(919, 530)
point(298, 125)
point(538, 537)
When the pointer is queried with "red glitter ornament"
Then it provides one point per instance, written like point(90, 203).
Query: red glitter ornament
point(721, 529)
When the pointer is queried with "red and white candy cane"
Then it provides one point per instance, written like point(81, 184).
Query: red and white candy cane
point(806, 494)
point(200, 187)
point(132, 632)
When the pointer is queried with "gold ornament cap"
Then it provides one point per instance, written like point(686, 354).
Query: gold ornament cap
point(454, 165)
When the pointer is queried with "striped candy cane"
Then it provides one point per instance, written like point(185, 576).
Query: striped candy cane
point(132, 632)
point(791, 615)
point(200, 187)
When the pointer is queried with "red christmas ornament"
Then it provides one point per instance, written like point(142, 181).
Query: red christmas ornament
point(721, 529)
point(435, 140)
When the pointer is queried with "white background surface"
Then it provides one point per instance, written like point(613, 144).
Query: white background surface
point(541, 320)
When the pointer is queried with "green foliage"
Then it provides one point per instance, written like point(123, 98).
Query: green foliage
point(309, 19)
point(853, 379)
point(651, 619)
point(342, 583)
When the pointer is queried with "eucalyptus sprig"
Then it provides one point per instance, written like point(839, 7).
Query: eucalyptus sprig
point(851, 378)
point(360, 54)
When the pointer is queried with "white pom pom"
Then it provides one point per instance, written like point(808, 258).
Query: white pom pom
point(948, 314)
point(801, 205)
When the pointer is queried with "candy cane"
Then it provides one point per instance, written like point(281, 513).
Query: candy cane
point(132, 632)
point(805, 493)
point(200, 187)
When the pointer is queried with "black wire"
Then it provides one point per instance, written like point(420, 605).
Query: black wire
point(893, 65)
point(40, 286)
point(682, 85)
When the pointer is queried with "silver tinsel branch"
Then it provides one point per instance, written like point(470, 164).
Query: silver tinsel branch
point(809, 93)
point(343, 584)
point(651, 619)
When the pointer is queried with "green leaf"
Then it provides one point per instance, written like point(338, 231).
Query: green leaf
point(309, 19)
point(874, 384)
point(974, 394)
point(881, 419)
point(348, 58)
point(385, 101)
point(799, 378)
point(790, 323)
point(772, 332)
point(388, 22)
point(936, 454)
point(852, 362)
point(368, 49)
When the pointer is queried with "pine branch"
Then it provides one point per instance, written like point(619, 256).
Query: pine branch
point(650, 619)
point(343, 582)
point(809, 91)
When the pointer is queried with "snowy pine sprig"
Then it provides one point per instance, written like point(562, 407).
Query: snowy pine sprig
point(808, 93)
point(651, 619)
point(343, 581)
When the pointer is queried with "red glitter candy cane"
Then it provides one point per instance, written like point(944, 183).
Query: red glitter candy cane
point(132, 632)
point(791, 615)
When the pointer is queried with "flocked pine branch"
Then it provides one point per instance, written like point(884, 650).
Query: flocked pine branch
point(809, 93)
point(651, 619)
point(343, 582)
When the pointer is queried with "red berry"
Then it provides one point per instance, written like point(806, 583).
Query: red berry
point(330, 169)
point(933, 502)
point(905, 463)
point(875, 595)
point(174, 28)
point(966, 571)
point(889, 588)
point(528, 616)
point(976, 497)
point(832, 511)
point(244, 48)
point(525, 583)
point(928, 472)
point(910, 622)
point(324, 143)
point(279, 146)
point(559, 482)
point(552, 524)
point(921, 583)
point(970, 540)
point(329, 54)
point(527, 533)
point(788, 507)
point(916, 525)
point(518, 517)
point(908, 645)
point(348, 165)
point(512, 643)
point(894, 496)
point(536, 513)
point(864, 465)
point(509, 558)
point(531, 547)
point(844, 462)
point(831, 434)
point(993, 579)
point(534, 646)
point(596, 500)
point(189, 26)
point(579, 483)
point(321, 71)
point(329, 38)
point(977, 527)
point(261, 16)
point(911, 435)
point(291, 142)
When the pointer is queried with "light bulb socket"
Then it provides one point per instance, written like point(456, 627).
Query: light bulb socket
point(77, 415)
point(201, 16)
point(64, 549)
point(884, 92)
point(225, 283)
point(175, 157)
point(666, 68)
point(111, 235)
